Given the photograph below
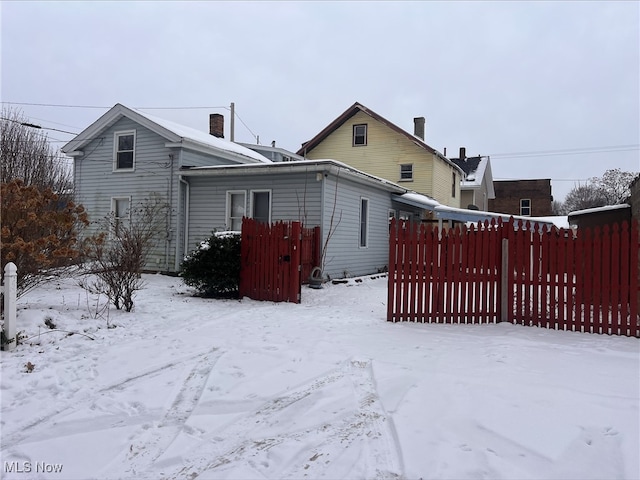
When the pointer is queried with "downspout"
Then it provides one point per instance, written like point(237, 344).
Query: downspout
point(323, 205)
point(167, 242)
point(185, 223)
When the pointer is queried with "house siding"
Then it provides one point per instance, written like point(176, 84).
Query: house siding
point(96, 183)
point(197, 159)
point(295, 197)
point(442, 180)
point(385, 151)
point(292, 195)
point(344, 256)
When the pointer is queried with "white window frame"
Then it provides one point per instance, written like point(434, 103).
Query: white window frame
point(228, 218)
point(263, 190)
point(522, 207)
point(353, 138)
point(391, 215)
point(363, 242)
point(407, 175)
point(116, 136)
point(114, 212)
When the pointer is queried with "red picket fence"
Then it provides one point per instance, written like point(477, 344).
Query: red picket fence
point(523, 274)
point(309, 252)
point(451, 276)
point(586, 282)
point(276, 259)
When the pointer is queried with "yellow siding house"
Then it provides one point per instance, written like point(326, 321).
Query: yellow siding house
point(368, 142)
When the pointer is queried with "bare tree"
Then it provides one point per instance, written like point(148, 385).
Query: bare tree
point(27, 155)
point(582, 197)
point(614, 185)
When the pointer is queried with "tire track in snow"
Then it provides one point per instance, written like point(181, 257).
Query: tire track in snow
point(150, 443)
point(48, 421)
point(369, 425)
point(323, 444)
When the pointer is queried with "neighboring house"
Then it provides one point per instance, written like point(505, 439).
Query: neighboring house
point(476, 188)
point(522, 197)
point(209, 184)
point(273, 153)
point(368, 142)
point(127, 155)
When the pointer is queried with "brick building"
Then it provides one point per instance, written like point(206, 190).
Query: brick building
point(522, 197)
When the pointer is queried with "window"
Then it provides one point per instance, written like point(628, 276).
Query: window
point(261, 205)
point(236, 207)
point(359, 135)
point(120, 208)
point(406, 171)
point(454, 181)
point(124, 150)
point(364, 222)
point(392, 215)
point(525, 207)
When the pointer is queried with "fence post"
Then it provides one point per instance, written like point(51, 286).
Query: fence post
point(10, 291)
point(504, 282)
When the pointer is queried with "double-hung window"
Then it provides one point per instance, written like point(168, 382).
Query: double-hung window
point(236, 209)
point(360, 135)
point(261, 205)
point(406, 171)
point(124, 154)
point(525, 207)
point(364, 222)
point(120, 208)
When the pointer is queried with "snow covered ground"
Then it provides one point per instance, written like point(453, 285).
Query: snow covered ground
point(186, 388)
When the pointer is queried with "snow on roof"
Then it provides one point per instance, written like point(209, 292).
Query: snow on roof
point(474, 178)
point(417, 198)
point(204, 138)
point(445, 212)
point(599, 209)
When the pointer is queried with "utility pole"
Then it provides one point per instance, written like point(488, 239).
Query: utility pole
point(233, 119)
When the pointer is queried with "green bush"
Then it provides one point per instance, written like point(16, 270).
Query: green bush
point(214, 268)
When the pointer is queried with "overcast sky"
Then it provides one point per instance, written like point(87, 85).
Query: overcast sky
point(558, 80)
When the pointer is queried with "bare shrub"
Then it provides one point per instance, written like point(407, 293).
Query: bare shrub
point(117, 256)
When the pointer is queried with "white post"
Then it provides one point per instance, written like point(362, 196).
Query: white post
point(10, 291)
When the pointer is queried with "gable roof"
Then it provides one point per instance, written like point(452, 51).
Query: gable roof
point(175, 133)
point(475, 169)
point(350, 112)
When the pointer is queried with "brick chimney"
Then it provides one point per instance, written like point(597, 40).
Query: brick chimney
point(418, 127)
point(216, 125)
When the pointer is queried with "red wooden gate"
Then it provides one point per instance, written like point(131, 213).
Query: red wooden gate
point(451, 276)
point(275, 259)
point(523, 274)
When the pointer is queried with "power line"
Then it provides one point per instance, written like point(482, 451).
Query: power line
point(39, 127)
point(60, 105)
point(570, 151)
